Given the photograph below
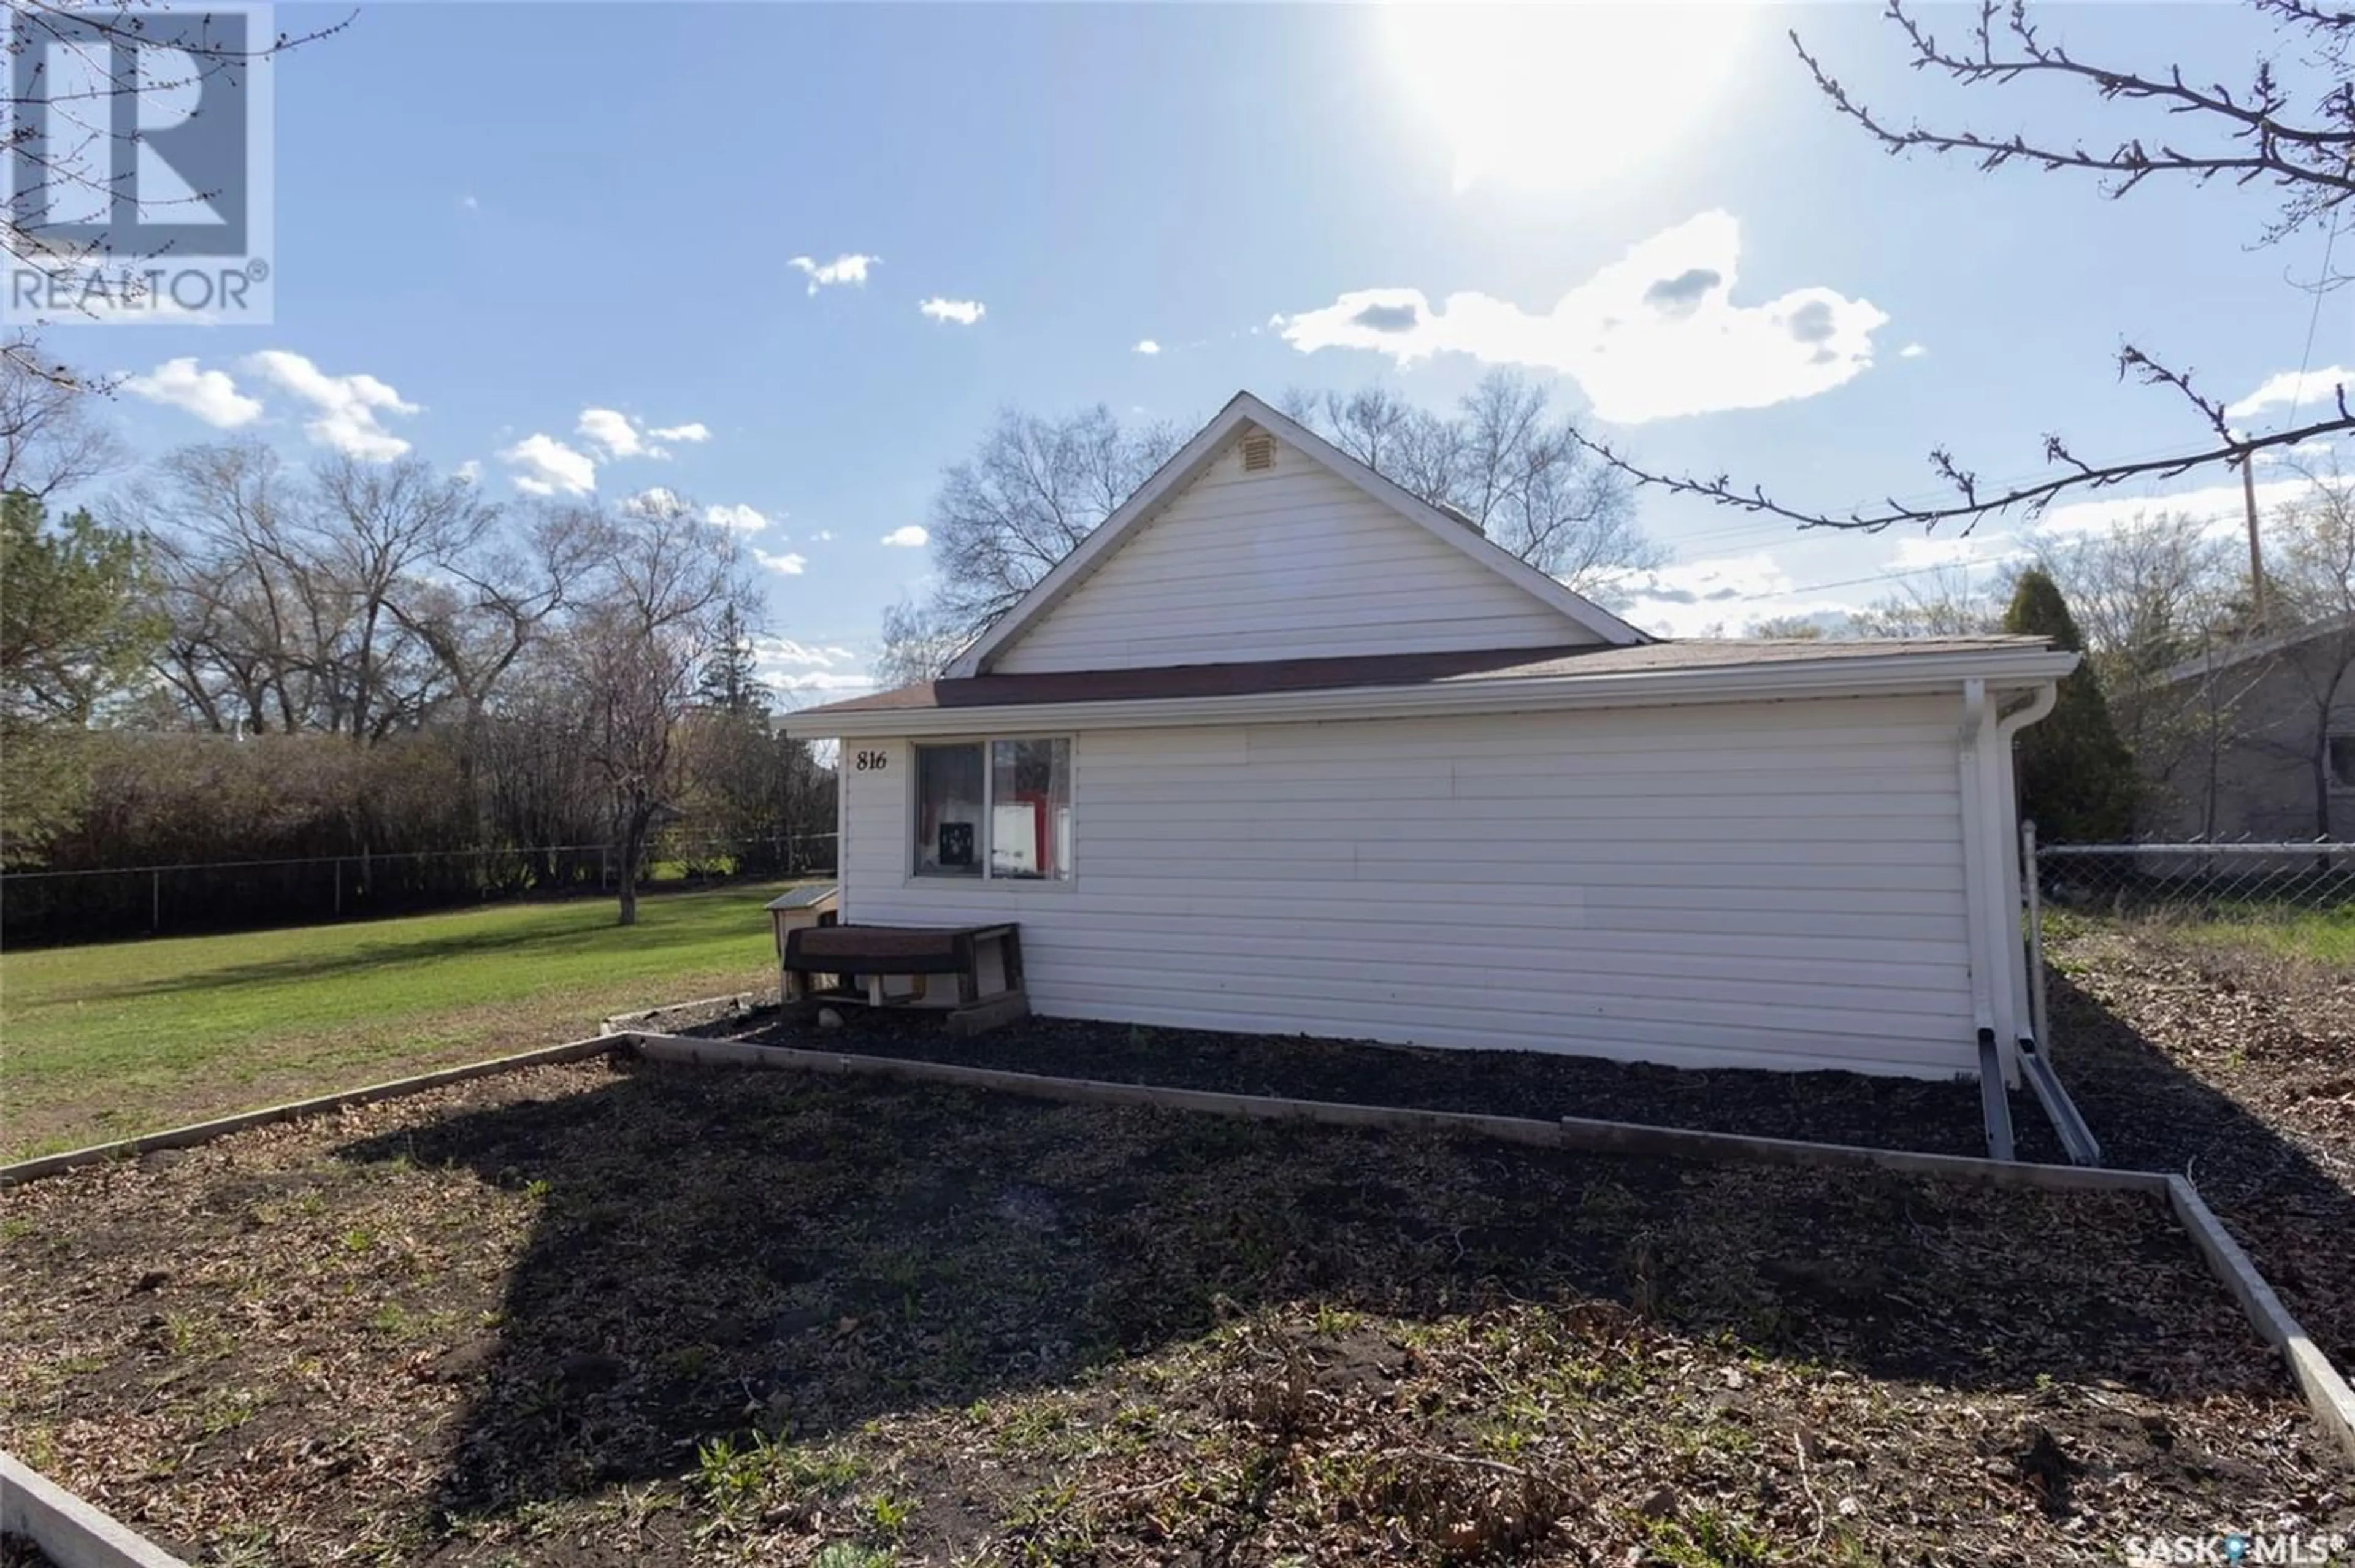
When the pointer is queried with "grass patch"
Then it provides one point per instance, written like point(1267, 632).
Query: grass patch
point(115, 1040)
point(2322, 937)
point(2318, 936)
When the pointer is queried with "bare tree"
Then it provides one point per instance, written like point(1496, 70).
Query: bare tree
point(2149, 593)
point(1788, 628)
point(1948, 602)
point(486, 608)
point(1029, 493)
point(649, 613)
point(378, 526)
point(918, 641)
point(1506, 461)
point(252, 618)
point(2314, 583)
point(2291, 127)
point(51, 438)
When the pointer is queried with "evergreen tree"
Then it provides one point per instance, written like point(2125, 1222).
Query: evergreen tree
point(2076, 777)
point(731, 682)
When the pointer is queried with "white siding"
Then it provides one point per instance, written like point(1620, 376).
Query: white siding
point(1770, 884)
point(1294, 562)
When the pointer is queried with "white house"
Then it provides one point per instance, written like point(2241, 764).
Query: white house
point(1281, 748)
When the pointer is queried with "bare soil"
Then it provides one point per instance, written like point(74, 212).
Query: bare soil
point(2235, 1066)
point(603, 1314)
point(1825, 1108)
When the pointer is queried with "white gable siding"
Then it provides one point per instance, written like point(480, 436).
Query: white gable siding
point(1294, 562)
point(1768, 885)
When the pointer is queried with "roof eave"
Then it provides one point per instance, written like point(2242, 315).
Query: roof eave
point(1893, 675)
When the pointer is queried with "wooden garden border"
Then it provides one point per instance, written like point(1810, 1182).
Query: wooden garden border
point(69, 1531)
point(221, 1126)
point(2326, 1391)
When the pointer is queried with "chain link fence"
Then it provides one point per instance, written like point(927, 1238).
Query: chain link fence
point(2198, 884)
point(2300, 896)
point(46, 908)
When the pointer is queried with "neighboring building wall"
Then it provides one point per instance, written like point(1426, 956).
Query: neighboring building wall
point(1291, 562)
point(2235, 758)
point(1761, 885)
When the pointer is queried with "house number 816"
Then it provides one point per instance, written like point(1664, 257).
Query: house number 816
point(873, 761)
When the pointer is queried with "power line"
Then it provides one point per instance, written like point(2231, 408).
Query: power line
point(2314, 316)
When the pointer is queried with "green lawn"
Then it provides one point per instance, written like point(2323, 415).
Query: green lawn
point(2322, 936)
point(106, 1041)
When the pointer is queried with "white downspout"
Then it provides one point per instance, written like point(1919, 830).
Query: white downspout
point(1975, 867)
point(2006, 826)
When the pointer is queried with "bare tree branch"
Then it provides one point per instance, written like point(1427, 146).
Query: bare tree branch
point(2244, 136)
point(1971, 506)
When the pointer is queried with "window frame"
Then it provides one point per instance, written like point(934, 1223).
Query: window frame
point(914, 877)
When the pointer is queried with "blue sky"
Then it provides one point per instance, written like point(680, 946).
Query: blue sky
point(493, 220)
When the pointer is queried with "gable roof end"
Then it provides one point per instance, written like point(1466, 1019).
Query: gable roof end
point(1196, 456)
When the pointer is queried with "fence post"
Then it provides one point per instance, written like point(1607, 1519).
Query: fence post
point(339, 885)
point(154, 903)
point(2032, 878)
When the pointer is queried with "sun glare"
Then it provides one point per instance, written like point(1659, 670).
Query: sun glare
point(1565, 95)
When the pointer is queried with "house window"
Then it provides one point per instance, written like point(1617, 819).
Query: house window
point(997, 808)
point(2342, 760)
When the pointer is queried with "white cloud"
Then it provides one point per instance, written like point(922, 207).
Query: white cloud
point(847, 269)
point(1692, 599)
point(912, 537)
point(1654, 335)
point(654, 501)
point(1718, 579)
point(347, 408)
point(1912, 351)
point(964, 313)
point(2317, 390)
point(2222, 506)
point(1146, 346)
point(611, 432)
point(740, 518)
point(470, 204)
point(471, 471)
point(616, 435)
point(785, 653)
point(210, 395)
point(546, 466)
point(1931, 552)
point(823, 536)
point(790, 564)
point(822, 683)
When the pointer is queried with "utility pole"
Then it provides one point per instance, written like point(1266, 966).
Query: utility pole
point(2256, 557)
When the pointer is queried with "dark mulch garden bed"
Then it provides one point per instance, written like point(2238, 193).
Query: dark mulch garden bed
point(1825, 1107)
point(2234, 1064)
point(610, 1314)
